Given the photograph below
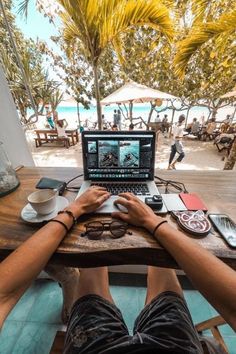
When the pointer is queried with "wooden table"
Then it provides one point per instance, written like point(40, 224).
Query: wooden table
point(217, 189)
point(44, 135)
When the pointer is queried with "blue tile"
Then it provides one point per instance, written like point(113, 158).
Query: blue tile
point(35, 338)
point(24, 305)
point(126, 299)
point(231, 344)
point(48, 303)
point(198, 306)
point(10, 332)
point(226, 330)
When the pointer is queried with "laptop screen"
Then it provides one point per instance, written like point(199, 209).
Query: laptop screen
point(118, 156)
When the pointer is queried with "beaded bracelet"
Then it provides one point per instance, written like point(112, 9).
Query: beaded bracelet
point(68, 212)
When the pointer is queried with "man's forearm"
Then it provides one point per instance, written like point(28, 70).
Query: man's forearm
point(26, 262)
point(215, 280)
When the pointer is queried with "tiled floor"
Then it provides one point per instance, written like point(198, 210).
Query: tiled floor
point(31, 327)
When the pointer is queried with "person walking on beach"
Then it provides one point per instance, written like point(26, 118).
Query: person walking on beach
point(115, 116)
point(177, 146)
point(49, 117)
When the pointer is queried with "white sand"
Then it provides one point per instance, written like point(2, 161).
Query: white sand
point(199, 155)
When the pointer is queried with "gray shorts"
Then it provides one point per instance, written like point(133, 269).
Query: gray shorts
point(163, 326)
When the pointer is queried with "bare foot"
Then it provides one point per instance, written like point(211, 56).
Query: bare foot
point(68, 279)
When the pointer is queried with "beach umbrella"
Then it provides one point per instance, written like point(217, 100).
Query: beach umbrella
point(132, 92)
point(230, 94)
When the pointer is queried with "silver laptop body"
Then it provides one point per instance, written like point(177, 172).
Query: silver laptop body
point(119, 161)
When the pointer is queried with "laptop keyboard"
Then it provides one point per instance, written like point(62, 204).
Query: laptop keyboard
point(117, 188)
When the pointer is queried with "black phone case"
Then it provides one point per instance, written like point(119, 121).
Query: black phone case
point(49, 183)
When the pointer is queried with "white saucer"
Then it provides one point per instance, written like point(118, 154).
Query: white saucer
point(29, 214)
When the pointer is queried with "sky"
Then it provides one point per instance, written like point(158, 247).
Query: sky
point(35, 25)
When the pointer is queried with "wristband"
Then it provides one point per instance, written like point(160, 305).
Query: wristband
point(68, 212)
point(158, 225)
point(60, 222)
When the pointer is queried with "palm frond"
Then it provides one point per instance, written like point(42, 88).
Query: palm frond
point(200, 9)
point(201, 34)
point(99, 23)
point(23, 8)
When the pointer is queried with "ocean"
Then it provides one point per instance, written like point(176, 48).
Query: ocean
point(69, 113)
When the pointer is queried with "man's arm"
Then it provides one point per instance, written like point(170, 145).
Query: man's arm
point(23, 265)
point(214, 279)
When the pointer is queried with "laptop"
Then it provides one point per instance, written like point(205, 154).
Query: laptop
point(121, 161)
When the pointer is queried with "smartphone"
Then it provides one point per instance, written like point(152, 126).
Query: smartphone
point(49, 183)
point(225, 226)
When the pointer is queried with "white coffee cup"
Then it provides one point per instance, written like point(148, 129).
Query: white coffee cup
point(43, 201)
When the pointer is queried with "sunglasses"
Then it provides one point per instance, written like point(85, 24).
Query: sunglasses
point(95, 229)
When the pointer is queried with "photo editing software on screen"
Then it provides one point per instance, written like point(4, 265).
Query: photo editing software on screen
point(121, 156)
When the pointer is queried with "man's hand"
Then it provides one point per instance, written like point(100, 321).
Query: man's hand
point(139, 213)
point(89, 201)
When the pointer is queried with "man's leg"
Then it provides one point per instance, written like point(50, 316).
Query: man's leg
point(165, 320)
point(93, 281)
point(172, 155)
point(160, 280)
point(95, 323)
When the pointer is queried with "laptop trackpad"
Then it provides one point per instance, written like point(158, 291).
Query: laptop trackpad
point(109, 207)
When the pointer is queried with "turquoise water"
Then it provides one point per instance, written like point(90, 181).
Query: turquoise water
point(70, 113)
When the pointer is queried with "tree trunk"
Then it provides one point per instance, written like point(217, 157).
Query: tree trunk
point(131, 111)
point(172, 120)
point(150, 114)
point(78, 113)
point(186, 121)
point(214, 113)
point(230, 162)
point(97, 94)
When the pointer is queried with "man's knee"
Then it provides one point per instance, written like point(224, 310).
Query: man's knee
point(181, 156)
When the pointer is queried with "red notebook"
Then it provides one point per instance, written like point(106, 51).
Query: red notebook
point(192, 201)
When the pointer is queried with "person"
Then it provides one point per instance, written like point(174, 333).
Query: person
point(114, 127)
point(165, 125)
point(194, 127)
point(177, 146)
point(225, 124)
point(49, 117)
point(119, 119)
point(131, 126)
point(208, 133)
point(96, 325)
point(158, 119)
point(115, 116)
point(60, 125)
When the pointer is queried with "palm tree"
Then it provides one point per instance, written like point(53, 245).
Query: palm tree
point(223, 30)
point(91, 26)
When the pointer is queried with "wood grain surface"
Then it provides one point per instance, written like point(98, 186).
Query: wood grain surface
point(217, 190)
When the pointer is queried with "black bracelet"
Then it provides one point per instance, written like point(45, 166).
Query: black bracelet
point(60, 222)
point(68, 212)
point(158, 225)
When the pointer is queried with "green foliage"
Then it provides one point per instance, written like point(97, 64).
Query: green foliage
point(90, 27)
point(42, 89)
point(221, 33)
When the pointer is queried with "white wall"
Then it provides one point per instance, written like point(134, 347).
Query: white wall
point(11, 133)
